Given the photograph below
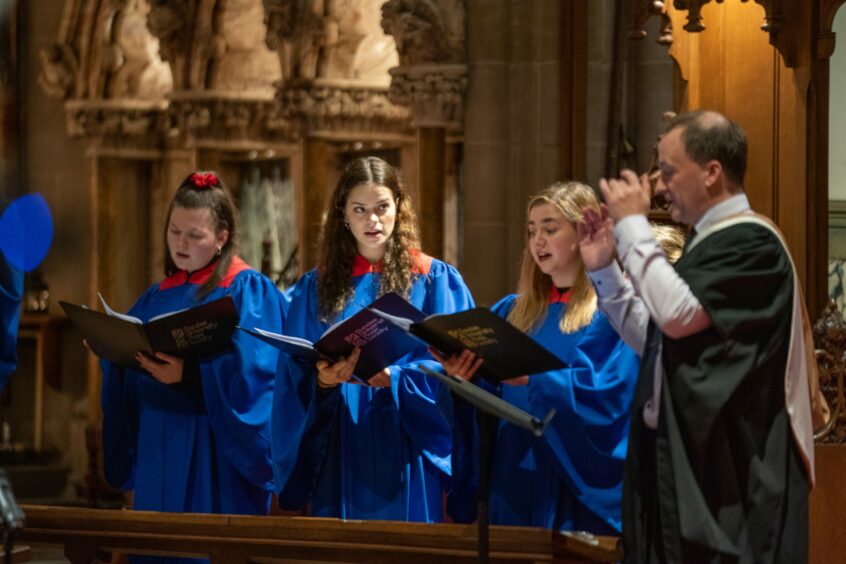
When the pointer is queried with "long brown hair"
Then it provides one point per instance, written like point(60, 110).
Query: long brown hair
point(338, 247)
point(206, 190)
point(532, 301)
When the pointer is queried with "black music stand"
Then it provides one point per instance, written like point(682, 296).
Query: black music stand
point(490, 408)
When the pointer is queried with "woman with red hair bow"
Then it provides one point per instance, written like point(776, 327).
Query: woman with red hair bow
point(193, 435)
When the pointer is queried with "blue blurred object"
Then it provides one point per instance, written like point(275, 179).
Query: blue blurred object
point(11, 291)
point(26, 231)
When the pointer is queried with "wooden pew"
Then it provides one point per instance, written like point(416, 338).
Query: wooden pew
point(233, 539)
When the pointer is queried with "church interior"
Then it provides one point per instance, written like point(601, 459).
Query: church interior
point(108, 104)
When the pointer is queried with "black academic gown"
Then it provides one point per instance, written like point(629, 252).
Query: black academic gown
point(721, 478)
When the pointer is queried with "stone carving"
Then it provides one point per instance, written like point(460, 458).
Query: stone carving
point(432, 76)
point(136, 126)
point(434, 92)
point(325, 107)
point(139, 72)
point(214, 68)
point(426, 31)
point(216, 117)
point(59, 67)
point(172, 23)
point(295, 30)
point(830, 340)
point(355, 45)
point(242, 60)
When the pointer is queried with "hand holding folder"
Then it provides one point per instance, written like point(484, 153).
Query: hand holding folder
point(380, 342)
point(507, 352)
point(198, 331)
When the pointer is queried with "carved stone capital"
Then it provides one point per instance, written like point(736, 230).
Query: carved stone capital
point(224, 116)
point(435, 93)
point(340, 108)
point(119, 124)
point(426, 31)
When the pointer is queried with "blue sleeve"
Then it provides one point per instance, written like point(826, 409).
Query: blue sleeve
point(587, 438)
point(11, 292)
point(295, 403)
point(425, 409)
point(119, 402)
point(238, 385)
point(463, 496)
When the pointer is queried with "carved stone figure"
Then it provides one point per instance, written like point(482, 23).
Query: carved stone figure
point(243, 61)
point(139, 71)
point(355, 46)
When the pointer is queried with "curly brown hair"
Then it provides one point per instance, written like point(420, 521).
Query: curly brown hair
point(209, 192)
point(338, 247)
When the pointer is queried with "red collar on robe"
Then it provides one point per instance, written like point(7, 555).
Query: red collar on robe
point(555, 296)
point(420, 264)
point(201, 276)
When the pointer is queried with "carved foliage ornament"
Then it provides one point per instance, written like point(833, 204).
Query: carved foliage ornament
point(315, 107)
point(223, 119)
point(139, 126)
point(435, 93)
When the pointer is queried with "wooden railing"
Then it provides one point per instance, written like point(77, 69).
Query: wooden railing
point(234, 539)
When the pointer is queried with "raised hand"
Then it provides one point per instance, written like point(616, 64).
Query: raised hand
point(596, 238)
point(330, 375)
point(626, 195)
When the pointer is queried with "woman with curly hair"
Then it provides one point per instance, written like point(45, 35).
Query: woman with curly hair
point(381, 450)
point(571, 477)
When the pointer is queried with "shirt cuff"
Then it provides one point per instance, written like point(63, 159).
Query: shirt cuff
point(608, 281)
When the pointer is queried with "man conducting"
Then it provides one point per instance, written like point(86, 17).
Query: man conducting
point(720, 455)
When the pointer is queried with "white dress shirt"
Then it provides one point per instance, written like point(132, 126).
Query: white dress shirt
point(654, 289)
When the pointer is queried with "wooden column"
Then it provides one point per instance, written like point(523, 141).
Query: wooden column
point(431, 180)
point(314, 197)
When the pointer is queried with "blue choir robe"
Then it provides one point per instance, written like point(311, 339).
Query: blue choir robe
point(201, 446)
point(357, 452)
point(571, 477)
point(11, 292)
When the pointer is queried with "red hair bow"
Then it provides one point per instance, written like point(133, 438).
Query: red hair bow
point(204, 179)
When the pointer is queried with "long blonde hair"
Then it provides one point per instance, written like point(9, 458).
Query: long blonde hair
point(532, 301)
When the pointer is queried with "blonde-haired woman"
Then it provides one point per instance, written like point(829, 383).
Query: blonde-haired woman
point(571, 478)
